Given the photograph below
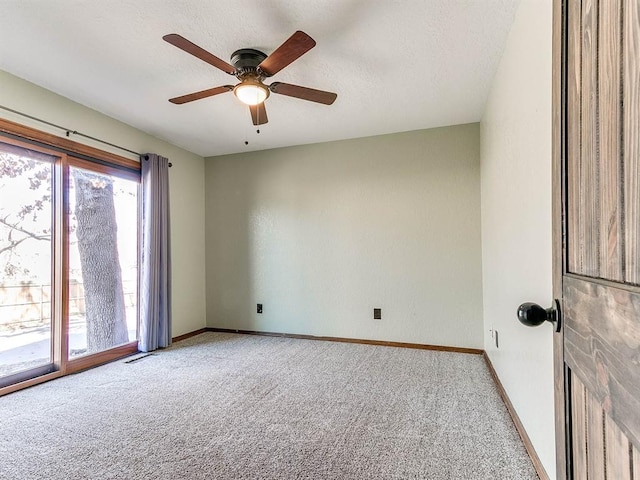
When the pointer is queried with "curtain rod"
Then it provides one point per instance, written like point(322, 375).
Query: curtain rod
point(69, 131)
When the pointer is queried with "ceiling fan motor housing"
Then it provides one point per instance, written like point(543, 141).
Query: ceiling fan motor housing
point(246, 60)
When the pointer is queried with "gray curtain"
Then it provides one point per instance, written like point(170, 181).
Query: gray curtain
point(155, 265)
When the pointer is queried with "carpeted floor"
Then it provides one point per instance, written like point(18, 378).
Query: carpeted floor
point(226, 406)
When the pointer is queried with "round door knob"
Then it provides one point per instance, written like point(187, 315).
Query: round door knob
point(532, 315)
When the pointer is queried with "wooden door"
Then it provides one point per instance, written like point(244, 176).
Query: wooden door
point(597, 237)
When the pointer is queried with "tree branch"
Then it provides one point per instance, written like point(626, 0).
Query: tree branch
point(26, 232)
point(14, 244)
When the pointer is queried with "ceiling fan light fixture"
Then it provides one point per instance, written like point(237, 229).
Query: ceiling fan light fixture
point(251, 67)
point(251, 92)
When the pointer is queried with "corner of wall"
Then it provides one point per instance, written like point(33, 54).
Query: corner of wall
point(321, 234)
point(515, 150)
point(186, 183)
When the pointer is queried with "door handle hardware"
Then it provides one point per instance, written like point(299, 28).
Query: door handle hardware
point(532, 314)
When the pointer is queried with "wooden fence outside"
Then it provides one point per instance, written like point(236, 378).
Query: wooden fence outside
point(28, 305)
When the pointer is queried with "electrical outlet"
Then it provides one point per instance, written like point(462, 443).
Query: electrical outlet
point(259, 308)
point(377, 314)
point(495, 336)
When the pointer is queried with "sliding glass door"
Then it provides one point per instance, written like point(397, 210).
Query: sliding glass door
point(68, 262)
point(26, 275)
point(103, 260)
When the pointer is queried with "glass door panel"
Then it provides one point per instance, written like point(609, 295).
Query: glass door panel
point(103, 259)
point(26, 220)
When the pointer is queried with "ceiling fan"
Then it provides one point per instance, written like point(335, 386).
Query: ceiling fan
point(252, 67)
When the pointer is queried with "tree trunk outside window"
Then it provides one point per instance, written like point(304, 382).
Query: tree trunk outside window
point(98, 248)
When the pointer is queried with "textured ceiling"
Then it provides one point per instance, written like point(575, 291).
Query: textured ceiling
point(396, 65)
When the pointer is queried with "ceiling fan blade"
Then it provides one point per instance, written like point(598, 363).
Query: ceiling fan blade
point(304, 93)
point(202, 94)
point(293, 48)
point(189, 47)
point(258, 114)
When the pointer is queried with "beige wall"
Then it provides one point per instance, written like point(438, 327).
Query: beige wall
point(186, 183)
point(321, 234)
point(516, 221)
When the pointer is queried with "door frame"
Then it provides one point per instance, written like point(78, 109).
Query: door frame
point(558, 155)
